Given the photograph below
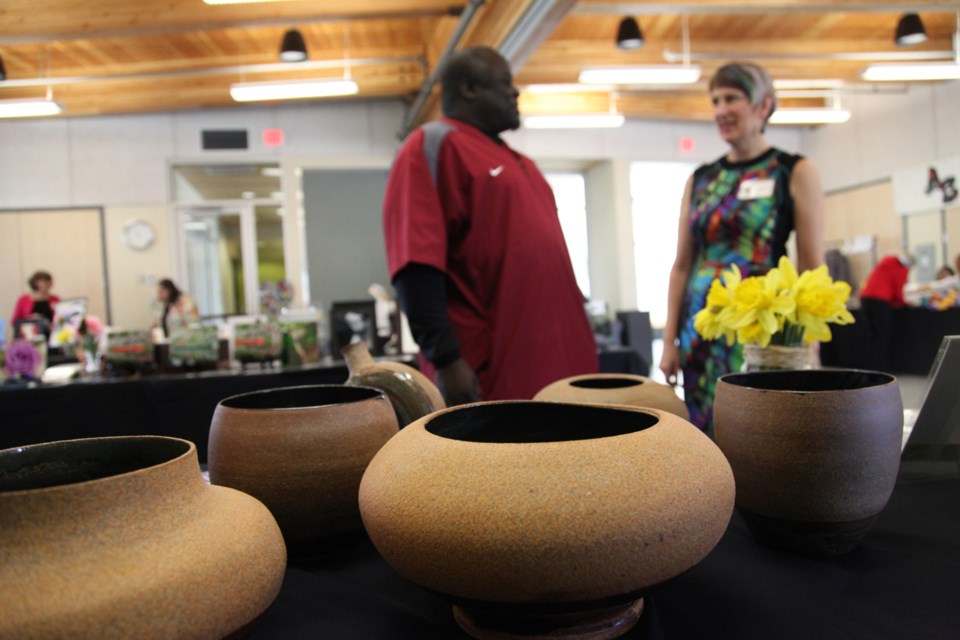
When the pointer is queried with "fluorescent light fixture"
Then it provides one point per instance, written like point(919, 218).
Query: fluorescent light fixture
point(567, 87)
point(642, 74)
point(814, 83)
point(239, 1)
point(906, 72)
point(574, 121)
point(291, 90)
point(809, 116)
point(29, 108)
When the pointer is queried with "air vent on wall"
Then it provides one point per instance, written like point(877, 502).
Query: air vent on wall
point(224, 139)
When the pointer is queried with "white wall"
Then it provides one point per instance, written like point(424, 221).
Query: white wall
point(122, 161)
point(887, 131)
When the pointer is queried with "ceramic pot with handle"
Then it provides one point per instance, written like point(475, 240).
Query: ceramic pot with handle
point(410, 392)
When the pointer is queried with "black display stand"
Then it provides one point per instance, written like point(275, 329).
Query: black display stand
point(900, 583)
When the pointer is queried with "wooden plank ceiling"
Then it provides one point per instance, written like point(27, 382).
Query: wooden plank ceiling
point(119, 56)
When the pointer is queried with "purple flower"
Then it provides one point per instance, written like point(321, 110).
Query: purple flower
point(21, 359)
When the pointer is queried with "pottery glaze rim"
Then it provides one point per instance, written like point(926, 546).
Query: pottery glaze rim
point(740, 380)
point(189, 448)
point(369, 394)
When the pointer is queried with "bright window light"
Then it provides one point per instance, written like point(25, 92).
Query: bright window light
point(905, 72)
point(656, 191)
point(291, 90)
point(29, 108)
point(569, 190)
point(574, 121)
point(809, 116)
point(644, 74)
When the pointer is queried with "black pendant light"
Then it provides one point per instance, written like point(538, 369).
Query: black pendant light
point(629, 36)
point(910, 30)
point(293, 48)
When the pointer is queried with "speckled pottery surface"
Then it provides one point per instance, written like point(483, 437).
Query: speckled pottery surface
point(542, 519)
point(615, 388)
point(815, 453)
point(122, 538)
point(302, 452)
point(410, 392)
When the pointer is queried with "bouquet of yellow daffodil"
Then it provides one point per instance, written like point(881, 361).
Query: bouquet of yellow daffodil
point(779, 308)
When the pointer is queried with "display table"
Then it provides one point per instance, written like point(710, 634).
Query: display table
point(179, 405)
point(901, 583)
point(917, 334)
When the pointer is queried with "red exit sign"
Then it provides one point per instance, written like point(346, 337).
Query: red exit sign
point(272, 137)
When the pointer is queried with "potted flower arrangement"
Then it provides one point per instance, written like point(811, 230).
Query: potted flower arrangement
point(775, 316)
point(22, 360)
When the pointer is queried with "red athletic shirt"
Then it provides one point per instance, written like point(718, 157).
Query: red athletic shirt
point(483, 214)
point(886, 281)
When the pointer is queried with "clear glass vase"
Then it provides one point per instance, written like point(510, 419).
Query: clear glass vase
point(774, 357)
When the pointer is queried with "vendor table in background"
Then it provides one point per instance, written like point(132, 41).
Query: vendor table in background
point(917, 334)
point(179, 405)
point(899, 584)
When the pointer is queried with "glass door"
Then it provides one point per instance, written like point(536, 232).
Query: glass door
point(219, 257)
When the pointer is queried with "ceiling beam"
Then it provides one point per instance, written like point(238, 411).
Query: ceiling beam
point(499, 21)
point(22, 21)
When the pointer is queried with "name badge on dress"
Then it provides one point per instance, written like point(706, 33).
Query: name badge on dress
point(753, 189)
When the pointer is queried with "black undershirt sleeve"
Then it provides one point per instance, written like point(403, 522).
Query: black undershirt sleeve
point(422, 293)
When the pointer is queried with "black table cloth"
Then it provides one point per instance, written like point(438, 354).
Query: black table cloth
point(917, 334)
point(178, 405)
point(900, 583)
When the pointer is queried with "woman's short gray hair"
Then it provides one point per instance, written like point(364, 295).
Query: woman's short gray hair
point(750, 78)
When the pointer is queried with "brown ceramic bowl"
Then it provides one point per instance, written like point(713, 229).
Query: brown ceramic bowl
point(542, 517)
point(301, 451)
point(615, 388)
point(815, 453)
point(121, 538)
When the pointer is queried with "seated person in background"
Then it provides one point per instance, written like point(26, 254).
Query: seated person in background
point(38, 304)
point(939, 294)
point(883, 293)
point(178, 308)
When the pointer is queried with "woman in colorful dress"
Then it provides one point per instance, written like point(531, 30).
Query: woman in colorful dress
point(739, 210)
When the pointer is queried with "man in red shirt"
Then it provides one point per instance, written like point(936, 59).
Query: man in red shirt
point(883, 293)
point(475, 248)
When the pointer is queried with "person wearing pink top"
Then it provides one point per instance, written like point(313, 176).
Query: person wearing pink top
point(38, 304)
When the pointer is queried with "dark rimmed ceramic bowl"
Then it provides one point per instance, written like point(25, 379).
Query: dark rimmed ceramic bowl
point(815, 453)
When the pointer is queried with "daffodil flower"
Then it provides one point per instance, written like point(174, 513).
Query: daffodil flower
point(781, 307)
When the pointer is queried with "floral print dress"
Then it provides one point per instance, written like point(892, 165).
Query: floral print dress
point(740, 213)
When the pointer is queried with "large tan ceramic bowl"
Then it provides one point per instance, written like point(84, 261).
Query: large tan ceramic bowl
point(815, 453)
point(615, 388)
point(301, 451)
point(122, 538)
point(548, 516)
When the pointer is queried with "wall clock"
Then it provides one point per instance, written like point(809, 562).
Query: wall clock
point(138, 235)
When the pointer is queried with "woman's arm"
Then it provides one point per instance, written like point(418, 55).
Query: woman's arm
point(810, 213)
point(670, 362)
